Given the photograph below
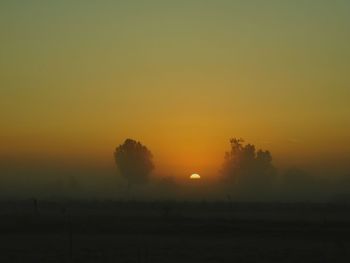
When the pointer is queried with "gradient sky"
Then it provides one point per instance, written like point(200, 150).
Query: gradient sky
point(78, 77)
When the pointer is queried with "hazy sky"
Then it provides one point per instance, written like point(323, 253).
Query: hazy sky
point(78, 77)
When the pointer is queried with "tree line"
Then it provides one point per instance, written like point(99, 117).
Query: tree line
point(243, 165)
point(246, 172)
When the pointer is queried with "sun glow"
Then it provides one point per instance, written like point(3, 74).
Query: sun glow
point(195, 176)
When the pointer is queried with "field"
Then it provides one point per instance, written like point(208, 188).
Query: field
point(173, 232)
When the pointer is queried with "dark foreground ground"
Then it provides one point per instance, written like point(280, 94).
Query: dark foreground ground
point(173, 232)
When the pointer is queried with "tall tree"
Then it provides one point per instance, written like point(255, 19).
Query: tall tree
point(246, 167)
point(134, 161)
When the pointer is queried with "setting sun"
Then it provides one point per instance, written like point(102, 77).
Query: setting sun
point(195, 176)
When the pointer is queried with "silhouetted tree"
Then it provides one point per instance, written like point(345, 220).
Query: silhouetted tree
point(134, 161)
point(246, 167)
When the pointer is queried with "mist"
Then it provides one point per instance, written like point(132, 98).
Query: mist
point(48, 179)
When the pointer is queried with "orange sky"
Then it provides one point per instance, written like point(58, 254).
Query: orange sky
point(76, 79)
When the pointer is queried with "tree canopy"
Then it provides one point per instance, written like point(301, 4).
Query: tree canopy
point(244, 165)
point(134, 161)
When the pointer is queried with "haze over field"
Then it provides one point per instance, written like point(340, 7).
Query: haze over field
point(181, 77)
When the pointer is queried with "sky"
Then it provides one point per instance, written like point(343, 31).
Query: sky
point(78, 78)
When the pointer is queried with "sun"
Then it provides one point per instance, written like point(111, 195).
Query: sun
point(195, 176)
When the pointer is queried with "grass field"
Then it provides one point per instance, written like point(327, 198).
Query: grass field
point(174, 232)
